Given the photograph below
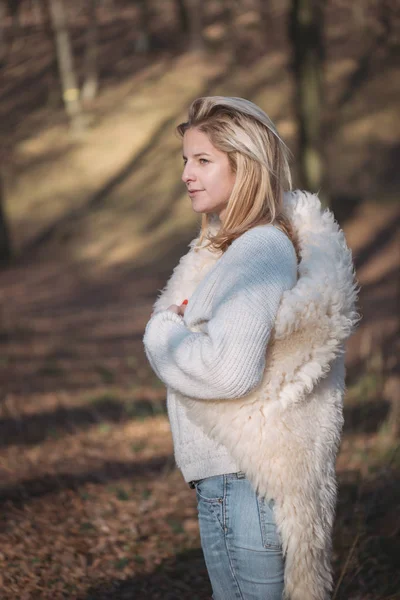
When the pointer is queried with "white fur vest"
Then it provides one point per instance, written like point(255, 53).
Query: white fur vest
point(285, 434)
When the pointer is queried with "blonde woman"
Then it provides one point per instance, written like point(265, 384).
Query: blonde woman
point(248, 336)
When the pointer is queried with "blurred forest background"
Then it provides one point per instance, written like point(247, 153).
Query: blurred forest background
point(93, 217)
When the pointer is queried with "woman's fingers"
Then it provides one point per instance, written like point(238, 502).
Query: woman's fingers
point(179, 310)
point(174, 308)
point(182, 307)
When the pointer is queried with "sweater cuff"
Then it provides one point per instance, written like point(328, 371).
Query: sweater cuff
point(152, 338)
point(163, 315)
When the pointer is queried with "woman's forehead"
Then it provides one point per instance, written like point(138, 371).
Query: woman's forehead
point(197, 142)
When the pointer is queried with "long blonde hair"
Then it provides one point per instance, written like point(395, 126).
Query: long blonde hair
point(257, 155)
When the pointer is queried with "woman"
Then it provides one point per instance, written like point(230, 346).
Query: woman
point(253, 359)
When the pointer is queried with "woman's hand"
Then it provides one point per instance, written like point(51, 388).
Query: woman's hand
point(174, 308)
point(178, 310)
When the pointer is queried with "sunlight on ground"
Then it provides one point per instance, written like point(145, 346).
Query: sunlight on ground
point(123, 178)
point(146, 202)
point(88, 165)
point(381, 125)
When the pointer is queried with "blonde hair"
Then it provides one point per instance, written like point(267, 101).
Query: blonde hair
point(257, 155)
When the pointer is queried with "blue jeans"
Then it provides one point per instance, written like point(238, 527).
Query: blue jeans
point(240, 542)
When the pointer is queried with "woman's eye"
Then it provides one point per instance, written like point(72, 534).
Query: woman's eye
point(204, 161)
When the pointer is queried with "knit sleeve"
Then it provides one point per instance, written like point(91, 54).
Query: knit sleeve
point(228, 359)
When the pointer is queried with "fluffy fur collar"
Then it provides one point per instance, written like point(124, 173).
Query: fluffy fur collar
point(285, 434)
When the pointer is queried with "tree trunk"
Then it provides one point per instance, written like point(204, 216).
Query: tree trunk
point(90, 85)
point(65, 65)
point(7, 36)
point(143, 40)
point(266, 11)
point(232, 37)
point(3, 41)
point(36, 8)
point(306, 36)
point(195, 24)
point(392, 395)
point(183, 14)
point(5, 243)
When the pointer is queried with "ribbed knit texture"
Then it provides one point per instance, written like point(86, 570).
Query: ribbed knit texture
point(217, 351)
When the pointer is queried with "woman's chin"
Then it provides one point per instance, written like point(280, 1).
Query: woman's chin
point(198, 208)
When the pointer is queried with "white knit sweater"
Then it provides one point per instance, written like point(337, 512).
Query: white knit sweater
point(218, 349)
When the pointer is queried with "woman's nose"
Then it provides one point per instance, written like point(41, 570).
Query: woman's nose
point(187, 174)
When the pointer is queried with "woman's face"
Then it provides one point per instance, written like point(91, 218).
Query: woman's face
point(207, 173)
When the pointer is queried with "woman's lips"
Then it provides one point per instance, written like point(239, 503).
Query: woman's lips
point(193, 192)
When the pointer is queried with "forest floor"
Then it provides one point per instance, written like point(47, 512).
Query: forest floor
point(93, 506)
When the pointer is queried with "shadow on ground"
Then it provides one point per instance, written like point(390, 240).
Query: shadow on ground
point(21, 493)
point(179, 578)
point(367, 535)
point(363, 534)
point(31, 429)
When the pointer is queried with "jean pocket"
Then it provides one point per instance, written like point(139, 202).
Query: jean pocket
point(269, 531)
point(210, 489)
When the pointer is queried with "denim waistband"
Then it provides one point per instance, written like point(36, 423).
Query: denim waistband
point(238, 475)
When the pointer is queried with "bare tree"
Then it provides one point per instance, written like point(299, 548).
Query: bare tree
point(183, 14)
point(36, 7)
point(91, 84)
point(11, 8)
point(143, 39)
point(3, 40)
point(392, 395)
point(5, 242)
point(306, 36)
point(66, 65)
point(195, 14)
point(232, 11)
point(268, 10)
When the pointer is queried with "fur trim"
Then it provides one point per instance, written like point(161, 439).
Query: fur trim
point(285, 434)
